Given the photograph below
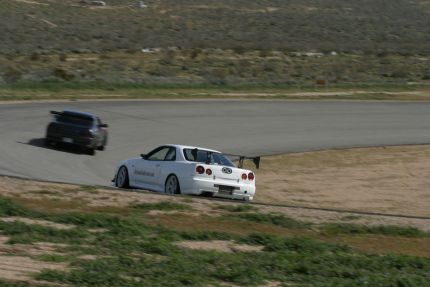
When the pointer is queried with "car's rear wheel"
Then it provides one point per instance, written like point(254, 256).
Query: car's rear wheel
point(102, 147)
point(91, 151)
point(122, 180)
point(172, 185)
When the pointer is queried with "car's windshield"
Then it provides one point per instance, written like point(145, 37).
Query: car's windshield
point(70, 119)
point(208, 157)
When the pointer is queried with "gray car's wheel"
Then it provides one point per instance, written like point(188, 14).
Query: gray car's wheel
point(172, 185)
point(121, 179)
point(102, 147)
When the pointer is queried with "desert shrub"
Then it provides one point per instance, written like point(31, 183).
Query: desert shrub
point(195, 53)
point(12, 74)
point(62, 57)
point(63, 74)
point(35, 57)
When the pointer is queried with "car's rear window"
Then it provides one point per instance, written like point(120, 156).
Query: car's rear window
point(75, 120)
point(207, 157)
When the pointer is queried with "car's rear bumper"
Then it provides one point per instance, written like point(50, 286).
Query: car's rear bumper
point(224, 189)
point(74, 140)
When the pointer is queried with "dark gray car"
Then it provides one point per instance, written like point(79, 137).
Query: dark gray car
point(78, 128)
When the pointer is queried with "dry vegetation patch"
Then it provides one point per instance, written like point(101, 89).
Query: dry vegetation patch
point(20, 268)
point(35, 249)
point(37, 222)
point(219, 245)
point(16, 265)
point(31, 2)
point(385, 244)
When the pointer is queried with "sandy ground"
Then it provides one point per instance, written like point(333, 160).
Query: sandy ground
point(386, 179)
point(20, 268)
point(17, 264)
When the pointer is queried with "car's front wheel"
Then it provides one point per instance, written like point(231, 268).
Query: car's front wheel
point(172, 185)
point(122, 180)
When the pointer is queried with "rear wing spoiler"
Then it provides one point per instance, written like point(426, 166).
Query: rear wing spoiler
point(75, 115)
point(255, 159)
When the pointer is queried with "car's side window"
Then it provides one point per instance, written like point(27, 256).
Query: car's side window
point(158, 154)
point(171, 155)
point(188, 153)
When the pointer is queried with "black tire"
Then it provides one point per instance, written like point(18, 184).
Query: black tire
point(121, 178)
point(91, 151)
point(48, 142)
point(172, 185)
point(102, 147)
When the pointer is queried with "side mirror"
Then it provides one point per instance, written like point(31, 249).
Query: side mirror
point(143, 156)
point(103, 126)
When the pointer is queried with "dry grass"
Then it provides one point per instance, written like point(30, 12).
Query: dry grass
point(219, 245)
point(369, 243)
point(384, 244)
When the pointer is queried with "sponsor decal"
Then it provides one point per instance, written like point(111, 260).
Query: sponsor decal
point(143, 172)
point(227, 170)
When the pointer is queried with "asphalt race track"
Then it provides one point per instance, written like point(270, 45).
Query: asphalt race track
point(244, 127)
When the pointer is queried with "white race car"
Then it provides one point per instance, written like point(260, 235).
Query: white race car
point(187, 170)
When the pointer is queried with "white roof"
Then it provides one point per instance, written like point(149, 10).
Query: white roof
point(192, 147)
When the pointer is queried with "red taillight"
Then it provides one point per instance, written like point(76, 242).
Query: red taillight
point(244, 176)
point(200, 169)
point(208, 171)
point(251, 176)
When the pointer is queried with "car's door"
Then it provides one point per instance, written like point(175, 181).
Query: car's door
point(167, 166)
point(147, 169)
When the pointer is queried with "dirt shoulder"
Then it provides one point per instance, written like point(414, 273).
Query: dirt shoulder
point(10, 95)
point(383, 179)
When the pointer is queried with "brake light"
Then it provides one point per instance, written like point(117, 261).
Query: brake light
point(251, 176)
point(200, 169)
point(244, 176)
point(208, 171)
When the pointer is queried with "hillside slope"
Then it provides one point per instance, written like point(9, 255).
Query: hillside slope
point(195, 42)
point(369, 26)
